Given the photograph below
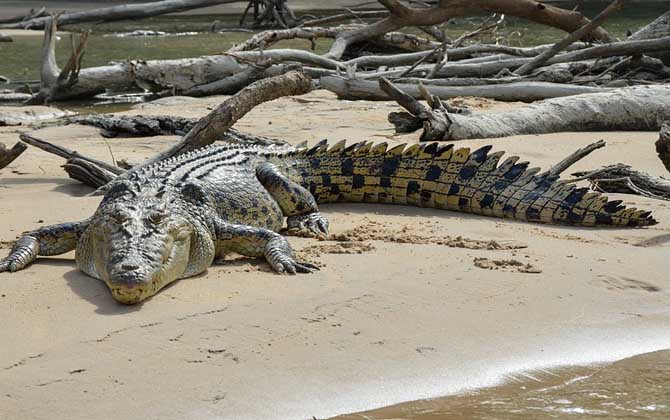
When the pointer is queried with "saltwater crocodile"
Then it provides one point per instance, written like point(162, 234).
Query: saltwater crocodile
point(171, 219)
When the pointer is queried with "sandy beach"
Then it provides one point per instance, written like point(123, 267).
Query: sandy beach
point(416, 303)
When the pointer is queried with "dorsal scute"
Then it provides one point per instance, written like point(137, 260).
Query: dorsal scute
point(396, 150)
point(337, 147)
point(378, 149)
point(412, 151)
point(363, 150)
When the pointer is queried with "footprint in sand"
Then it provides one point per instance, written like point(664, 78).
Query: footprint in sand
point(514, 266)
point(626, 283)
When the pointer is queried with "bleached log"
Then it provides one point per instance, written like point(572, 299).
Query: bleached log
point(359, 89)
point(623, 179)
point(600, 51)
point(639, 108)
point(120, 12)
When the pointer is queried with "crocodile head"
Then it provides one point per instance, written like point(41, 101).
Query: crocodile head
point(137, 243)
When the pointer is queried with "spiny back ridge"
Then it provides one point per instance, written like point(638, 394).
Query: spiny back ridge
point(440, 176)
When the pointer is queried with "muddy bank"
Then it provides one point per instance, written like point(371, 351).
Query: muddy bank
point(403, 313)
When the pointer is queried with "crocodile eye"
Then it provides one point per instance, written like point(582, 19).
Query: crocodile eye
point(157, 218)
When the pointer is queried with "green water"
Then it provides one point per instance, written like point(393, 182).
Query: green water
point(20, 60)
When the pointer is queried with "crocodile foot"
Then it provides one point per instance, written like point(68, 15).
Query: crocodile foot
point(314, 224)
point(280, 256)
point(23, 253)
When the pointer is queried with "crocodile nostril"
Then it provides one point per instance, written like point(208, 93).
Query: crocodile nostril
point(129, 267)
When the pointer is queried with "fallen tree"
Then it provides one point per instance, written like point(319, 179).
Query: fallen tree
point(515, 91)
point(120, 12)
point(611, 65)
point(634, 108)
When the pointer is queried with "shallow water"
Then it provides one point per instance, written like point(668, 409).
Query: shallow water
point(633, 388)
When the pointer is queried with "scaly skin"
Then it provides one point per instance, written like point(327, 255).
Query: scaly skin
point(172, 219)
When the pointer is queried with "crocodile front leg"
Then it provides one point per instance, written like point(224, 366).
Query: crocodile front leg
point(296, 202)
point(256, 242)
point(48, 240)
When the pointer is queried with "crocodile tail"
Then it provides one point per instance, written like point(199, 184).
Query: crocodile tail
point(440, 176)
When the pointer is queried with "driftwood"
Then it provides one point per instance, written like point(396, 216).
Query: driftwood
point(659, 28)
point(663, 145)
point(402, 16)
point(601, 51)
point(12, 115)
point(515, 91)
point(575, 36)
point(7, 156)
point(32, 14)
point(89, 171)
point(622, 178)
point(634, 108)
point(121, 12)
point(214, 126)
point(210, 127)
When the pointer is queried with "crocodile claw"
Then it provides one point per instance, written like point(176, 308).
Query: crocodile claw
point(23, 253)
point(280, 256)
point(313, 223)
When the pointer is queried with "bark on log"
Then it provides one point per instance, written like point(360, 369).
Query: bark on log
point(402, 16)
point(641, 108)
point(7, 156)
point(210, 127)
point(358, 89)
point(663, 145)
point(121, 12)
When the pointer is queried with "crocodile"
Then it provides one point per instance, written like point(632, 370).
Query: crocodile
point(171, 219)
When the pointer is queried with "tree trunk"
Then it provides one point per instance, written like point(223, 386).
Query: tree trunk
point(638, 108)
point(354, 89)
point(121, 12)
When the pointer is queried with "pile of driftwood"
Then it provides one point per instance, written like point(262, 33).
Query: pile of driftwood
point(380, 43)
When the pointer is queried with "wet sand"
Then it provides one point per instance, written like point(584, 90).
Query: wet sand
point(633, 388)
point(400, 310)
